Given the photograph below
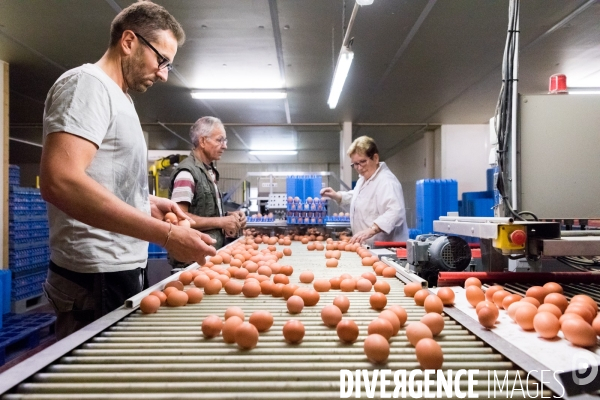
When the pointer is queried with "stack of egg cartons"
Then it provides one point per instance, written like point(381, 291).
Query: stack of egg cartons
point(29, 253)
point(304, 204)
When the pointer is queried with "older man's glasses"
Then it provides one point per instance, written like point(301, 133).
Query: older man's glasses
point(163, 62)
point(359, 164)
point(221, 141)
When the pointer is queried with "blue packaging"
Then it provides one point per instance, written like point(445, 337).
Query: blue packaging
point(434, 198)
point(5, 289)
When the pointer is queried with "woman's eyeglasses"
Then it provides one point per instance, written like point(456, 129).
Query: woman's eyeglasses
point(360, 163)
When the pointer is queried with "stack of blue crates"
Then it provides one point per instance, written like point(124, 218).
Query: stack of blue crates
point(304, 200)
point(481, 204)
point(434, 198)
point(29, 252)
point(155, 251)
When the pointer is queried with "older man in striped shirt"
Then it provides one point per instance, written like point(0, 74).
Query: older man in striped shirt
point(194, 185)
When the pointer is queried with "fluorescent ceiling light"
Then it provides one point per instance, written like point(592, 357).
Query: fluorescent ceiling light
point(584, 90)
point(239, 94)
point(339, 77)
point(273, 152)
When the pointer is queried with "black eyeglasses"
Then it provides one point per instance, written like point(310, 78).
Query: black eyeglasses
point(163, 62)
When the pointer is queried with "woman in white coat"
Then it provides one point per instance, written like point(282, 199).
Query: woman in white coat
point(376, 204)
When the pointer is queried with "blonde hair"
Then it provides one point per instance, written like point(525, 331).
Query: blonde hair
point(364, 145)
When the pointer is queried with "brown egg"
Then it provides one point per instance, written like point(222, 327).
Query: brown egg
point(293, 331)
point(246, 336)
point(472, 281)
point(226, 257)
point(213, 286)
point(348, 285)
point(201, 280)
point(377, 348)
point(511, 298)
point(311, 297)
point(557, 299)
point(347, 331)
point(551, 308)
point(378, 268)
point(281, 278)
point(596, 325)
point(176, 284)
point(275, 268)
point(241, 273)
point(392, 319)
point(370, 276)
point(322, 285)
point(335, 283)
point(251, 289)
point(580, 309)
point(546, 324)
point(499, 297)
point(487, 317)
point(216, 259)
point(564, 317)
point(429, 354)
point(185, 277)
point(342, 303)
point(263, 320)
point(264, 270)
point(531, 300)
point(194, 295)
point(336, 254)
point(364, 285)
point(489, 293)
point(489, 304)
point(412, 288)
point(382, 287)
point(474, 295)
point(400, 313)
point(420, 297)
point(161, 296)
point(382, 327)
point(433, 304)
point(416, 331)
point(331, 315)
point(524, 316)
point(434, 321)
point(311, 247)
point(295, 304)
point(229, 328)
point(553, 287)
point(266, 287)
point(235, 263)
point(289, 290)
point(389, 272)
point(169, 290)
point(177, 299)
point(277, 290)
point(586, 299)
point(223, 278)
point(378, 301)
point(579, 332)
point(150, 304)
point(307, 277)
point(331, 263)
point(537, 292)
point(211, 326)
point(447, 296)
point(233, 287)
point(234, 311)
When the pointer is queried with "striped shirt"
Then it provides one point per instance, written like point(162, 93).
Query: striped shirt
point(184, 188)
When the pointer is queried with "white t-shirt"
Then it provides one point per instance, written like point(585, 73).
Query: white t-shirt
point(87, 103)
point(378, 200)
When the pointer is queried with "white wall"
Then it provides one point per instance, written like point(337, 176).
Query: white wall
point(465, 155)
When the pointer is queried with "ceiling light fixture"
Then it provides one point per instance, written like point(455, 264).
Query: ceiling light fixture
point(273, 152)
point(584, 90)
point(344, 60)
point(238, 94)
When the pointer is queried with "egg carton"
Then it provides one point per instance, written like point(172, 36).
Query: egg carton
point(338, 218)
point(260, 219)
point(305, 221)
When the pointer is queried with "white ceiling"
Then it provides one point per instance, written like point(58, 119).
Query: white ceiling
point(416, 61)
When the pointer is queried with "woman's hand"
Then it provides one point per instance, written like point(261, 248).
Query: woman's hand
point(362, 236)
point(331, 194)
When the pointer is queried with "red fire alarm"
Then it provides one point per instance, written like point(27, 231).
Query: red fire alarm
point(558, 84)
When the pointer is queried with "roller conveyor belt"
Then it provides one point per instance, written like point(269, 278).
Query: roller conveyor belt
point(165, 356)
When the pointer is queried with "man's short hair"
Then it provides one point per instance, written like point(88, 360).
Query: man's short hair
point(203, 128)
point(145, 18)
point(363, 145)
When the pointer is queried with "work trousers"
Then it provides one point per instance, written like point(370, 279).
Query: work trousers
point(81, 298)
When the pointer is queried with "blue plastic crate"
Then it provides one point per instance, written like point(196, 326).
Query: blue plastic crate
point(24, 331)
point(26, 292)
point(31, 279)
point(6, 279)
point(28, 217)
point(434, 198)
point(26, 269)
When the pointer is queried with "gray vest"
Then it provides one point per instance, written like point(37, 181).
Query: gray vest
point(204, 202)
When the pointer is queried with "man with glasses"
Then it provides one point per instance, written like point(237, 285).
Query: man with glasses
point(194, 185)
point(376, 203)
point(94, 174)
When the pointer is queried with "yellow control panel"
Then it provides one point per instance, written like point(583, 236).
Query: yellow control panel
point(511, 239)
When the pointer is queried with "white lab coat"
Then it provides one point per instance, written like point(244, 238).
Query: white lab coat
point(377, 200)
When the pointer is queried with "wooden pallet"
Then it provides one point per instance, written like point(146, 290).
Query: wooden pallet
point(23, 332)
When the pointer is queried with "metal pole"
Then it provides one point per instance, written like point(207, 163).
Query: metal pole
point(515, 108)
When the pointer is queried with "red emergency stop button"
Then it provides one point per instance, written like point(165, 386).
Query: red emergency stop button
point(518, 237)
